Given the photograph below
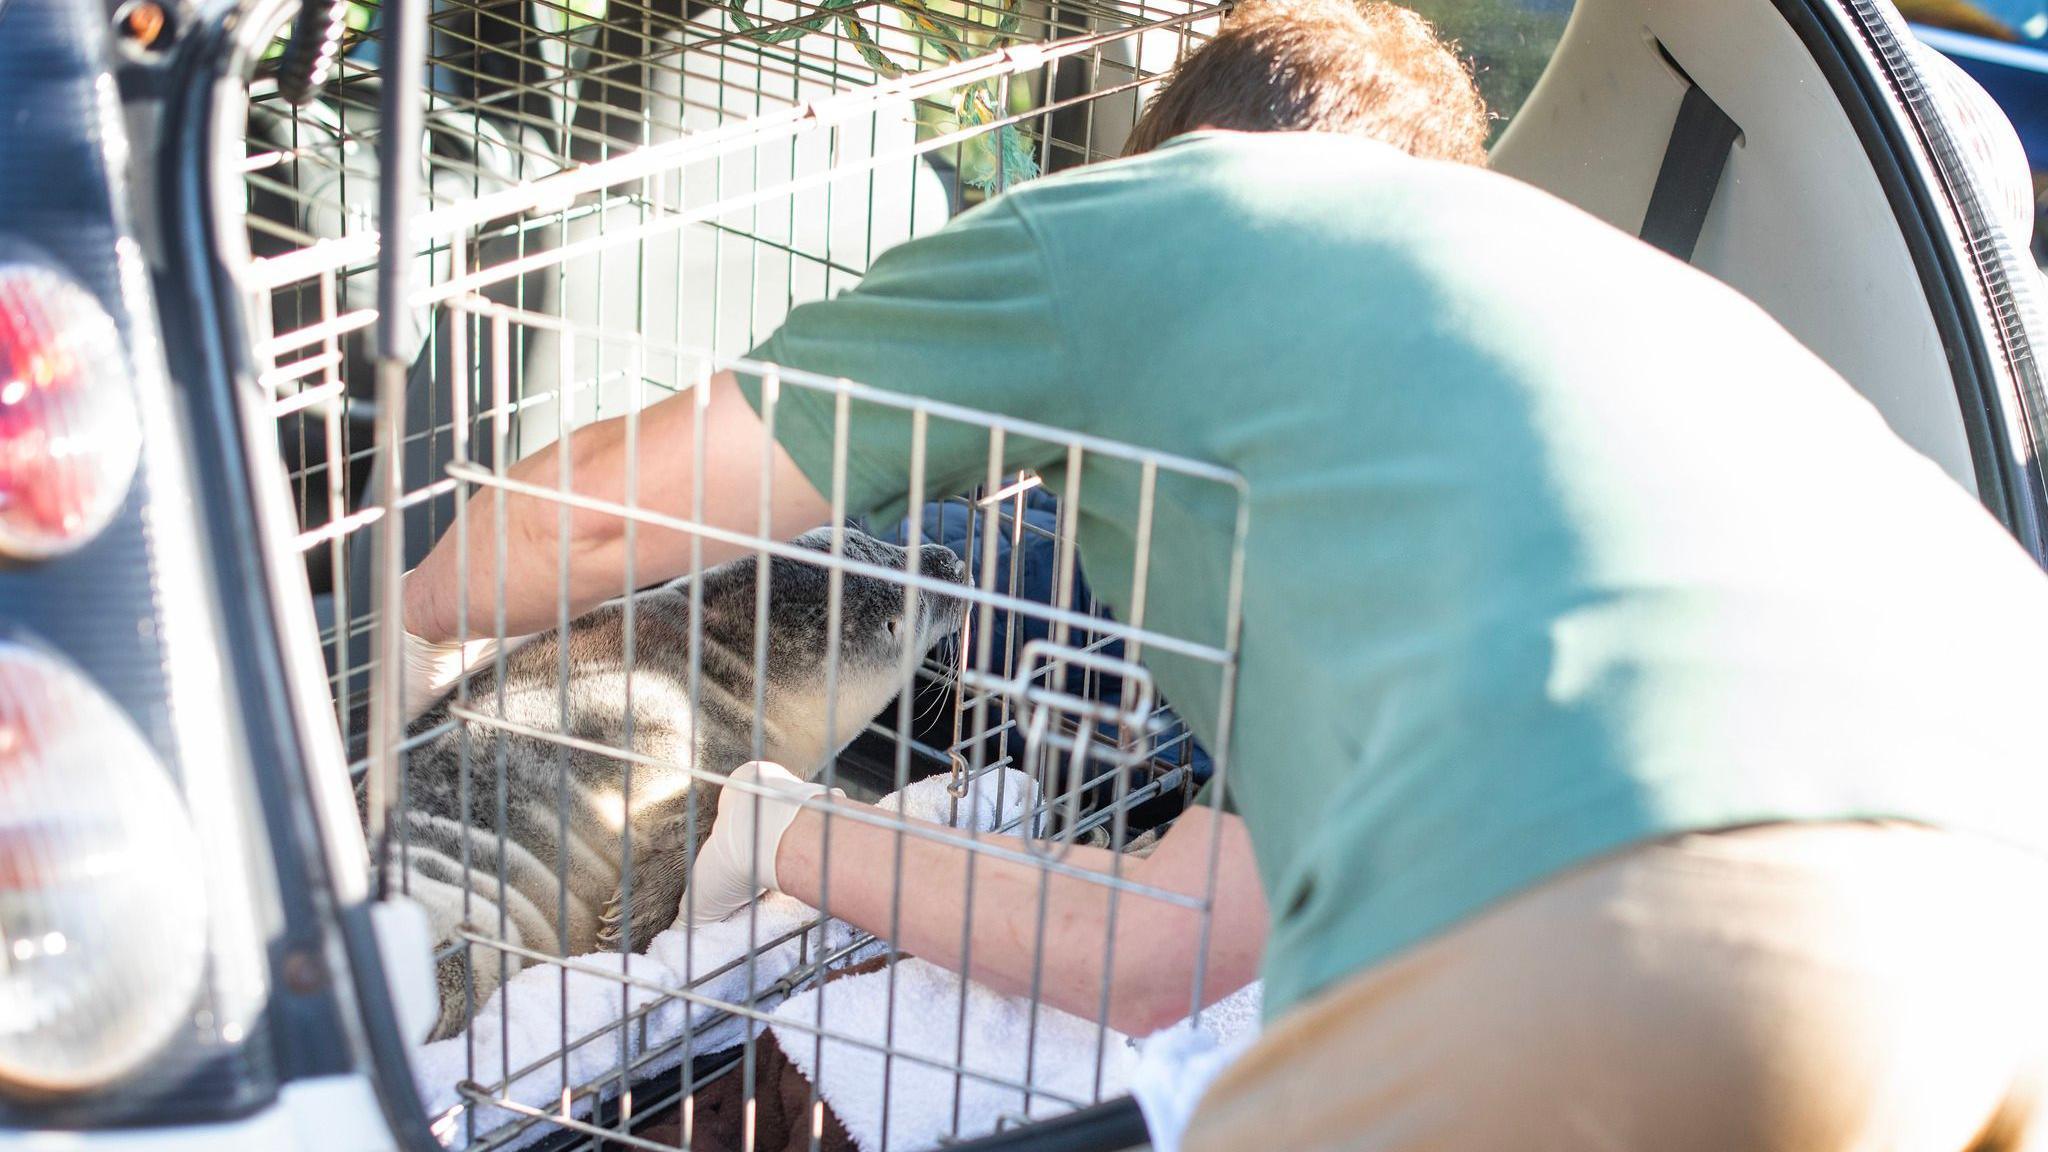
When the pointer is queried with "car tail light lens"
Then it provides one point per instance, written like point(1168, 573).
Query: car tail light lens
point(103, 925)
point(69, 435)
point(1989, 144)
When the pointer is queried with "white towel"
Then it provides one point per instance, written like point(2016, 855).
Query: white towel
point(522, 1025)
point(524, 1019)
point(1062, 1056)
point(923, 1100)
point(1176, 1066)
point(1231, 1018)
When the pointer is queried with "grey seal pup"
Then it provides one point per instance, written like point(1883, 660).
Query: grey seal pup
point(544, 824)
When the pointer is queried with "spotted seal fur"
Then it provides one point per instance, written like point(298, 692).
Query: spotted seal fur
point(565, 810)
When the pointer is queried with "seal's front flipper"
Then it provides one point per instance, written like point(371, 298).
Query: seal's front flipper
point(660, 871)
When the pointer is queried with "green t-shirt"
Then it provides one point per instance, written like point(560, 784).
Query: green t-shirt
point(1556, 545)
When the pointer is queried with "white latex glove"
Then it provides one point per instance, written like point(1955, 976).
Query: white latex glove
point(737, 861)
point(432, 668)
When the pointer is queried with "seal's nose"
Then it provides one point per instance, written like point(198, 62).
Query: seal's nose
point(942, 563)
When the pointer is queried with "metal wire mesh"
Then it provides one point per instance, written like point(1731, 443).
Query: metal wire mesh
point(619, 199)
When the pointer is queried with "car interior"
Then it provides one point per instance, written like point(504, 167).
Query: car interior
point(1801, 222)
point(1729, 134)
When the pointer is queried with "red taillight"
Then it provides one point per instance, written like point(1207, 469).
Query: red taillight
point(103, 904)
point(69, 435)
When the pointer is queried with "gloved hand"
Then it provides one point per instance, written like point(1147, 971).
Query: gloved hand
point(432, 668)
point(737, 860)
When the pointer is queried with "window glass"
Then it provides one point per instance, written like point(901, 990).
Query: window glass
point(2025, 20)
point(2019, 86)
point(1507, 42)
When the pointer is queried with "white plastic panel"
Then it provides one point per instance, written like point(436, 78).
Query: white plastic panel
point(1801, 224)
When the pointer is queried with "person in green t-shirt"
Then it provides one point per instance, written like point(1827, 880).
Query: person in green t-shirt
point(1633, 740)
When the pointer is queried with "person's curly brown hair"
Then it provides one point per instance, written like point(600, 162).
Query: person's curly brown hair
point(1371, 69)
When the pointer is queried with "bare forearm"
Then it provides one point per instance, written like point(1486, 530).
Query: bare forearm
point(653, 466)
point(1027, 924)
point(525, 537)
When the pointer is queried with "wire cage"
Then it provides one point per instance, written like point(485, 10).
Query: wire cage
point(607, 202)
